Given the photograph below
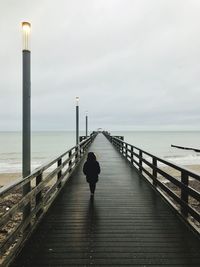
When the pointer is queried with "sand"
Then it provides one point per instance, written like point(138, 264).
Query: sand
point(195, 168)
point(6, 178)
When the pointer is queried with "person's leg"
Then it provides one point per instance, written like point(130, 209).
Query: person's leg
point(92, 187)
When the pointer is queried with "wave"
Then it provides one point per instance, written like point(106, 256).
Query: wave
point(16, 166)
point(184, 159)
point(179, 159)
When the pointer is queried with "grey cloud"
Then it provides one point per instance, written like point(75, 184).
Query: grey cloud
point(134, 64)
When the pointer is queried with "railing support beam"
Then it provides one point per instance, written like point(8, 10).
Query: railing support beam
point(155, 173)
point(140, 161)
point(60, 172)
point(38, 198)
point(184, 193)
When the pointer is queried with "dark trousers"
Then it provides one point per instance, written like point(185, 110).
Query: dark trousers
point(92, 187)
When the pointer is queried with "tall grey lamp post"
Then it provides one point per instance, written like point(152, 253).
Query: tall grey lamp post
point(86, 124)
point(26, 127)
point(77, 120)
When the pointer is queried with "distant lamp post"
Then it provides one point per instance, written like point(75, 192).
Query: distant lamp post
point(26, 127)
point(86, 124)
point(77, 120)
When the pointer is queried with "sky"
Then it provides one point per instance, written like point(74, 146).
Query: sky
point(133, 63)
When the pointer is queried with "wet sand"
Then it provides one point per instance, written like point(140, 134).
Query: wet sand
point(6, 178)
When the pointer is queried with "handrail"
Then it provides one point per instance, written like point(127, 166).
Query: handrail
point(157, 175)
point(45, 185)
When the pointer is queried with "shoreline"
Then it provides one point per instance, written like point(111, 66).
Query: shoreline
point(6, 178)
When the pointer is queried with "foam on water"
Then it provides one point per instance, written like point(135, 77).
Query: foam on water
point(184, 160)
point(47, 145)
point(44, 147)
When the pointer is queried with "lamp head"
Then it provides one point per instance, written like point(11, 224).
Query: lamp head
point(26, 29)
point(77, 100)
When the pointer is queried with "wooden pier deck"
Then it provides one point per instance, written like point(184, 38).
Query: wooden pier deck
point(126, 224)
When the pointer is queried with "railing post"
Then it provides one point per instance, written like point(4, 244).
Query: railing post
point(84, 146)
point(77, 153)
point(184, 194)
point(38, 197)
point(155, 173)
point(140, 160)
point(121, 147)
point(132, 155)
point(70, 162)
point(126, 152)
point(60, 172)
point(117, 145)
point(81, 150)
point(27, 208)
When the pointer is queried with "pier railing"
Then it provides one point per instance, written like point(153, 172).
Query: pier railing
point(45, 183)
point(176, 184)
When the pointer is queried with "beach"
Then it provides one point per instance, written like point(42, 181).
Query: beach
point(6, 178)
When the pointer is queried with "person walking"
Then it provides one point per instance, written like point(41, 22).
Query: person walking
point(91, 169)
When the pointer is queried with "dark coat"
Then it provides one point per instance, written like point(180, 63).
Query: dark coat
point(91, 169)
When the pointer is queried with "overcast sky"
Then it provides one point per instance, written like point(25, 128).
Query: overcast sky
point(134, 64)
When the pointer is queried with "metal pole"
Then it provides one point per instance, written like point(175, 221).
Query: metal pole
point(86, 125)
point(77, 124)
point(26, 131)
point(26, 113)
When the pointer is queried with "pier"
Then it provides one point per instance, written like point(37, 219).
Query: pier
point(135, 219)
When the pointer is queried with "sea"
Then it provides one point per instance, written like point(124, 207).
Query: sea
point(48, 145)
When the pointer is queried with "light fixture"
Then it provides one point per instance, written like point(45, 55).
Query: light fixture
point(26, 29)
point(77, 100)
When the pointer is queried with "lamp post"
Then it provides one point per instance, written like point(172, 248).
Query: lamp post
point(77, 120)
point(86, 124)
point(26, 127)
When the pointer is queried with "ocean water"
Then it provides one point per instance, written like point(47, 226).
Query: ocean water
point(47, 145)
point(159, 144)
point(44, 147)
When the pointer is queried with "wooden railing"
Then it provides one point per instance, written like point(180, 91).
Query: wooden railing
point(176, 184)
point(45, 184)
